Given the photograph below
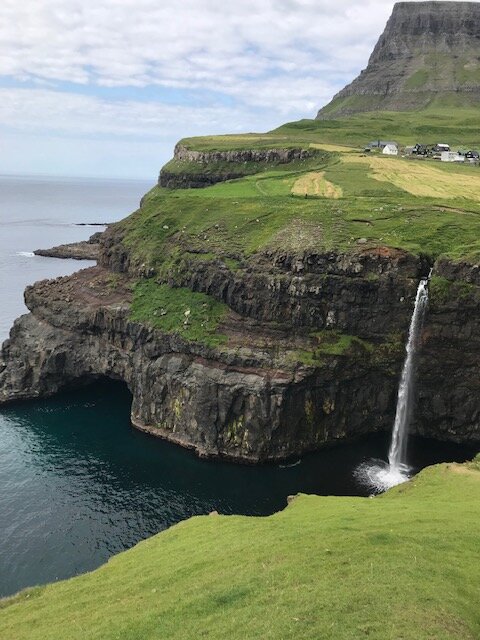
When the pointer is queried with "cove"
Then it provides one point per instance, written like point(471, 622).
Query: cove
point(79, 484)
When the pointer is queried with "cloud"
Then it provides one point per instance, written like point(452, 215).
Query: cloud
point(33, 110)
point(161, 69)
point(208, 44)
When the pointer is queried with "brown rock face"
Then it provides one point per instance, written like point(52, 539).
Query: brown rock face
point(255, 398)
point(429, 51)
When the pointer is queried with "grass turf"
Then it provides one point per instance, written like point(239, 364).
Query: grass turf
point(194, 316)
point(423, 207)
point(440, 122)
point(239, 218)
point(403, 565)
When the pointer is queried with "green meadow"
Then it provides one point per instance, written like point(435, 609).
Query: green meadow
point(403, 565)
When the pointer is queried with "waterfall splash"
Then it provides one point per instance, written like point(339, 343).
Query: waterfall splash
point(377, 474)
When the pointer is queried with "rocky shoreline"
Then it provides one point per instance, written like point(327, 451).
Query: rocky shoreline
point(83, 250)
point(254, 399)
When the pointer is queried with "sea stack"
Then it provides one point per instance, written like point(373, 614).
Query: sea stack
point(427, 56)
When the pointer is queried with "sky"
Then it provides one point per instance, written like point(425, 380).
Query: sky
point(105, 88)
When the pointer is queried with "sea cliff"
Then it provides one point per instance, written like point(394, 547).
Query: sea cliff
point(311, 351)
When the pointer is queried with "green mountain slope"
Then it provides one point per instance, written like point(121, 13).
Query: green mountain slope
point(428, 53)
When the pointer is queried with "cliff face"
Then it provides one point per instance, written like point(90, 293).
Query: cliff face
point(246, 403)
point(192, 169)
point(254, 398)
point(429, 52)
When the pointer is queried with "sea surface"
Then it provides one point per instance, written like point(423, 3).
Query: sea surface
point(39, 213)
point(77, 482)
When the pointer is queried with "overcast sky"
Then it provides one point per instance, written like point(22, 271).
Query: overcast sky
point(106, 87)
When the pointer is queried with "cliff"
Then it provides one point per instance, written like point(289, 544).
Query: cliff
point(311, 349)
point(266, 316)
point(427, 55)
point(194, 169)
point(251, 399)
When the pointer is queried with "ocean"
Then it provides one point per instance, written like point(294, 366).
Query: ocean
point(39, 213)
point(77, 482)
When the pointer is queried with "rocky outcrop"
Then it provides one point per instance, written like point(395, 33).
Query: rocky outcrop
point(83, 250)
point(192, 169)
point(272, 156)
point(256, 398)
point(428, 50)
point(351, 292)
point(245, 404)
point(448, 402)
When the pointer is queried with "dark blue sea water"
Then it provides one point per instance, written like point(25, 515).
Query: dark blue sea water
point(77, 483)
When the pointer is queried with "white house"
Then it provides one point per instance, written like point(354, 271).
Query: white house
point(390, 150)
point(451, 156)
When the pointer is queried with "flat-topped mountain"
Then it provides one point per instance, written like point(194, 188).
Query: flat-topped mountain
point(428, 55)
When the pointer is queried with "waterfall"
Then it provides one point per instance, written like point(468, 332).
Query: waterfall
point(398, 446)
point(377, 474)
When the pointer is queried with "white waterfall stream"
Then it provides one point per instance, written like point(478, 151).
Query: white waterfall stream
point(378, 475)
point(398, 446)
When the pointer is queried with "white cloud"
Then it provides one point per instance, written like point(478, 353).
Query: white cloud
point(274, 60)
point(33, 110)
point(197, 43)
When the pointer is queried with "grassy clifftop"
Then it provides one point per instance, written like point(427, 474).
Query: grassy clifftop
point(444, 118)
point(341, 197)
point(334, 198)
point(402, 565)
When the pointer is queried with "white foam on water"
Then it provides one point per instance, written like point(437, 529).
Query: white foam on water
point(379, 476)
point(25, 254)
point(289, 466)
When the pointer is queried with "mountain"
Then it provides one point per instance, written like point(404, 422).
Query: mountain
point(428, 56)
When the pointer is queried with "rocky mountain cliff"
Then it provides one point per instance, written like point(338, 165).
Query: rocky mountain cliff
point(266, 316)
point(428, 54)
point(289, 378)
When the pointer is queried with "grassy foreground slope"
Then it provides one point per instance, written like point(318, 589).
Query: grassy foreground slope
point(403, 565)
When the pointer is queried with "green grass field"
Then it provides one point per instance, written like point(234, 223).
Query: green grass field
point(242, 217)
point(194, 316)
point(423, 207)
point(338, 200)
point(452, 123)
point(403, 565)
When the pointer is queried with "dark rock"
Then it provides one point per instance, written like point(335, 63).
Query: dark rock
point(207, 174)
point(252, 400)
point(84, 250)
point(401, 76)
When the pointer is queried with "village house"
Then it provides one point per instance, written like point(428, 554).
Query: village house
point(451, 156)
point(390, 149)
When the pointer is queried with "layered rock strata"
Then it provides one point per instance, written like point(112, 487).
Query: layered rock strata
point(192, 169)
point(428, 51)
point(83, 250)
point(253, 399)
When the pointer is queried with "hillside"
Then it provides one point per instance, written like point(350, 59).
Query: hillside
point(265, 303)
point(401, 565)
point(256, 303)
point(426, 57)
